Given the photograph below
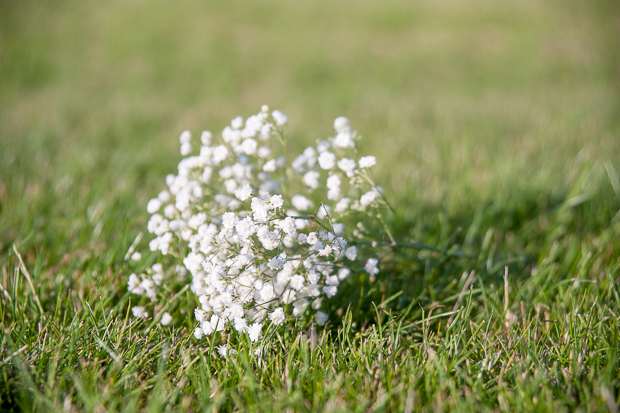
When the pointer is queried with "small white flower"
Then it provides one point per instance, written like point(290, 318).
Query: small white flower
point(154, 222)
point(301, 223)
point(368, 198)
point(260, 209)
point(276, 201)
point(198, 333)
point(277, 317)
point(243, 193)
point(371, 266)
point(327, 160)
point(231, 185)
point(309, 152)
point(185, 137)
point(170, 211)
point(338, 228)
point(245, 228)
point(311, 179)
point(134, 285)
point(265, 131)
point(368, 161)
point(270, 166)
point(276, 263)
point(164, 196)
point(153, 205)
point(226, 172)
point(313, 276)
point(200, 314)
point(334, 194)
point(229, 219)
point(206, 328)
point(288, 225)
point(263, 152)
point(222, 350)
point(351, 253)
point(249, 146)
point(254, 331)
point(186, 148)
point(343, 140)
point(343, 273)
point(341, 124)
point(136, 256)
point(206, 137)
point(264, 109)
point(241, 325)
point(302, 238)
point(220, 153)
point(237, 123)
point(239, 171)
point(301, 202)
point(343, 205)
point(139, 312)
point(347, 166)
point(217, 324)
point(323, 146)
point(207, 174)
point(330, 291)
point(299, 162)
point(312, 238)
point(321, 318)
point(323, 211)
point(267, 293)
point(297, 282)
point(313, 290)
point(279, 117)
point(166, 319)
point(325, 251)
point(333, 183)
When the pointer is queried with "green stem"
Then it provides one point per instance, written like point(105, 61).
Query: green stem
point(414, 245)
point(387, 230)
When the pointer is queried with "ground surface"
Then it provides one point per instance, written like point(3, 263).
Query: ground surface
point(497, 130)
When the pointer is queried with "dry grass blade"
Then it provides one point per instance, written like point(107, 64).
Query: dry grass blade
point(468, 282)
point(24, 271)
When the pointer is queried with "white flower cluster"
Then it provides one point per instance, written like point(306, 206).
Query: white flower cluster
point(261, 239)
point(146, 283)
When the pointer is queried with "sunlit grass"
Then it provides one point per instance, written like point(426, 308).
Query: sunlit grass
point(497, 129)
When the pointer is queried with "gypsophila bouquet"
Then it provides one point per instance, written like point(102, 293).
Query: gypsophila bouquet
point(263, 240)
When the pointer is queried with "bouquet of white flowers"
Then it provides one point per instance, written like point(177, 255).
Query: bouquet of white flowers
point(262, 239)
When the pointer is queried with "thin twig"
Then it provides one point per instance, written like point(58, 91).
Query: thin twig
point(416, 246)
point(10, 356)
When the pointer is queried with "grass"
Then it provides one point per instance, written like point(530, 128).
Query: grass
point(497, 132)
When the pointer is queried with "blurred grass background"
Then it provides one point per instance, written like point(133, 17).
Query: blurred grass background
point(464, 102)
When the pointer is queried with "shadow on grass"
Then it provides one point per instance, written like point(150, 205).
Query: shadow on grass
point(515, 236)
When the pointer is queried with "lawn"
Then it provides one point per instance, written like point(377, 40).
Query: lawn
point(496, 127)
